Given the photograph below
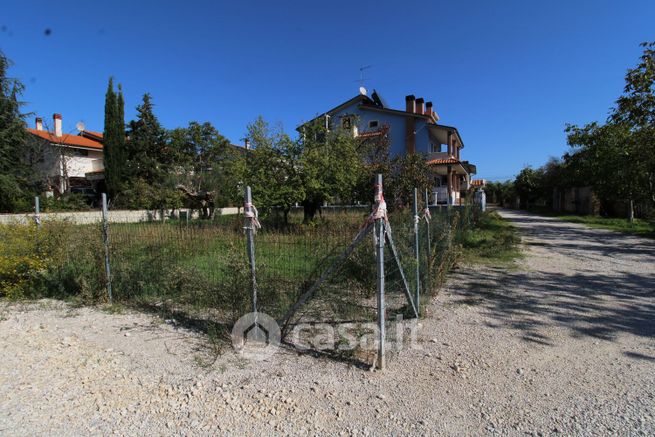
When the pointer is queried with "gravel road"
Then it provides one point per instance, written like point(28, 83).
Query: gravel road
point(561, 344)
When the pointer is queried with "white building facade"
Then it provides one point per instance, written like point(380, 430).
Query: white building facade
point(68, 161)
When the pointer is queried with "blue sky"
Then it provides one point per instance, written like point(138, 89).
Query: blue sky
point(508, 74)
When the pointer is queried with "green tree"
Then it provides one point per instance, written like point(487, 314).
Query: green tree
point(271, 169)
point(109, 138)
point(114, 153)
point(320, 166)
point(197, 149)
point(408, 172)
point(17, 179)
point(120, 140)
point(608, 155)
point(149, 156)
point(205, 161)
point(636, 109)
point(374, 153)
point(227, 177)
point(328, 166)
point(528, 185)
point(151, 174)
point(502, 193)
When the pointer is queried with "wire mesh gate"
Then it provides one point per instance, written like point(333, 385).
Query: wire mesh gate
point(330, 291)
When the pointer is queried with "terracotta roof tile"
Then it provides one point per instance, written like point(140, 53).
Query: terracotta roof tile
point(92, 134)
point(443, 161)
point(67, 139)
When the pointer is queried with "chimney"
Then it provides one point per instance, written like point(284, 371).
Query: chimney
point(428, 108)
point(420, 107)
point(410, 103)
point(39, 123)
point(57, 120)
point(247, 144)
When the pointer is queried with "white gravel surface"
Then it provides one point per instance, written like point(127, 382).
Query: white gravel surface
point(562, 344)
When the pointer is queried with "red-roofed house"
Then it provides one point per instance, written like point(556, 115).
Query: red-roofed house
point(69, 161)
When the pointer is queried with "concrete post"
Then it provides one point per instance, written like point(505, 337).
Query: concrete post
point(37, 211)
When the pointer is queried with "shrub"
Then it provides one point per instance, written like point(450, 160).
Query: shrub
point(75, 263)
point(55, 260)
point(25, 251)
point(20, 258)
point(68, 202)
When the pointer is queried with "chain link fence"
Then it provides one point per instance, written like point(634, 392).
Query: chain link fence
point(199, 273)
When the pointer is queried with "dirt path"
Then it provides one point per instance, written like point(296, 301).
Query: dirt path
point(564, 344)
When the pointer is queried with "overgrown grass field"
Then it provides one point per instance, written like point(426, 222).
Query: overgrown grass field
point(200, 271)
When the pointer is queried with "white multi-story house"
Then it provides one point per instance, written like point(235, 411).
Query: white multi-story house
point(68, 161)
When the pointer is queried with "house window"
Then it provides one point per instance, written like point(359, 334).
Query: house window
point(80, 152)
point(346, 123)
point(435, 148)
point(319, 136)
point(373, 124)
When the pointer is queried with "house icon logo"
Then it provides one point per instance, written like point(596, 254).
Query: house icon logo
point(256, 336)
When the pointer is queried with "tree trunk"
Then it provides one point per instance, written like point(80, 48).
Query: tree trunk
point(309, 210)
point(631, 211)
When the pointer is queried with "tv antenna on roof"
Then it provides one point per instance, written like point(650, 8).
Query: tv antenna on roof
point(80, 126)
point(361, 76)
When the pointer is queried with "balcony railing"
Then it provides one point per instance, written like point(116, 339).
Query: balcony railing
point(440, 195)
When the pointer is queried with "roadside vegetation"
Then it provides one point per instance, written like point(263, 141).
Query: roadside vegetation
point(640, 227)
point(494, 241)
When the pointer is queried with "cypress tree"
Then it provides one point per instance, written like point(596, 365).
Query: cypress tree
point(120, 153)
point(120, 125)
point(115, 153)
point(110, 141)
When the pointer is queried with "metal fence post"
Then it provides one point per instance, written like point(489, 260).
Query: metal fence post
point(105, 239)
point(250, 231)
point(427, 245)
point(37, 211)
point(379, 255)
point(449, 217)
point(417, 290)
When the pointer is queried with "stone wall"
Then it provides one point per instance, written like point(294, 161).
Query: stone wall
point(118, 216)
point(577, 200)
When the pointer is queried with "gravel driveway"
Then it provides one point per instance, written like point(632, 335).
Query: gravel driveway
point(563, 343)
